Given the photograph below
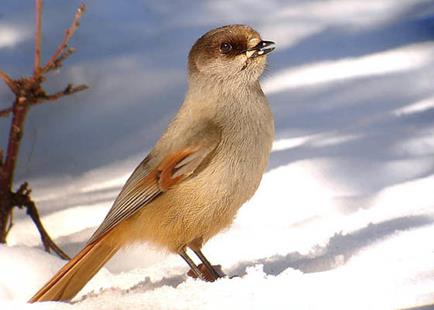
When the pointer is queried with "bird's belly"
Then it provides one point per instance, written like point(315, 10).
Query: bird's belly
point(173, 223)
point(197, 209)
point(200, 207)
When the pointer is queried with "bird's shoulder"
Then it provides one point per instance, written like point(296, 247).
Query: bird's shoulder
point(183, 134)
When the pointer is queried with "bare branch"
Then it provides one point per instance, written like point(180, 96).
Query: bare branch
point(29, 91)
point(9, 82)
point(11, 223)
point(38, 30)
point(69, 90)
point(6, 112)
point(22, 199)
point(41, 98)
point(24, 189)
point(59, 61)
point(60, 52)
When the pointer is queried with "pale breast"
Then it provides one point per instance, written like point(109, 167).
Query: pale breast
point(206, 203)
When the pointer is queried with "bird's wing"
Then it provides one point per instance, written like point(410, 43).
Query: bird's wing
point(153, 177)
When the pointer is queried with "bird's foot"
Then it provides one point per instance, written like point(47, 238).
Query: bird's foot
point(207, 275)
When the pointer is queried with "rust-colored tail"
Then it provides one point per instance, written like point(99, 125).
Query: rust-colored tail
point(69, 280)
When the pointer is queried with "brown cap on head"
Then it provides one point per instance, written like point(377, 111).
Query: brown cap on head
point(229, 52)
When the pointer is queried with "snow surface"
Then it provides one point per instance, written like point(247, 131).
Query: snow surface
point(343, 219)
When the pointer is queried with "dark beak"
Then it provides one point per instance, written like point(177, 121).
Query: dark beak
point(262, 48)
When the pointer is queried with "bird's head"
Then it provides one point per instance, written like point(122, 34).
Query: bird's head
point(229, 53)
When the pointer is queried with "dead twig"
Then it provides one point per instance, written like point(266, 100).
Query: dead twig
point(5, 112)
point(69, 90)
point(22, 200)
point(39, 96)
point(38, 30)
point(29, 92)
point(62, 52)
point(9, 82)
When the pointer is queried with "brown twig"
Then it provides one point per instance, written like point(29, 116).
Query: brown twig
point(60, 54)
point(5, 112)
point(19, 113)
point(9, 82)
point(11, 223)
point(22, 200)
point(69, 90)
point(28, 92)
point(38, 30)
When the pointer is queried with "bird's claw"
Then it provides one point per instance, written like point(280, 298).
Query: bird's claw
point(207, 275)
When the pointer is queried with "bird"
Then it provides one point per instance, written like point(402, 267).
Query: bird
point(205, 166)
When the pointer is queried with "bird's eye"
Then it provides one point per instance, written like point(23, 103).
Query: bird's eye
point(225, 47)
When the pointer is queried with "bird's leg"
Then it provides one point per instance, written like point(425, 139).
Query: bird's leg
point(194, 268)
point(215, 272)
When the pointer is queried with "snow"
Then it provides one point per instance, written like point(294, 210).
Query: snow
point(401, 59)
point(299, 251)
point(344, 217)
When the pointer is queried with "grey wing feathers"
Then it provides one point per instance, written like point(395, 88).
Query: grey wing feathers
point(143, 186)
point(129, 200)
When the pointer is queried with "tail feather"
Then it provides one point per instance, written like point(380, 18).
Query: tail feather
point(77, 272)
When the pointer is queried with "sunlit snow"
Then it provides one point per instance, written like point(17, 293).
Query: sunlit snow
point(344, 216)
